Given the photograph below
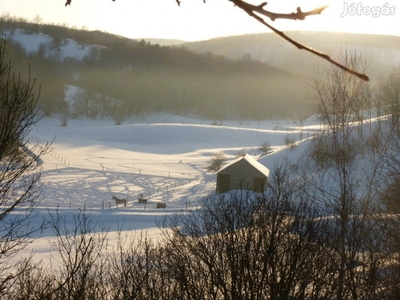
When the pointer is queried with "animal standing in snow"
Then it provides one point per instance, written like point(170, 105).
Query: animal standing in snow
point(119, 201)
point(141, 199)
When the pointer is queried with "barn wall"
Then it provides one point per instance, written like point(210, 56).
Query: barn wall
point(223, 183)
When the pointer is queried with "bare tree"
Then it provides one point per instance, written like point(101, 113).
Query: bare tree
point(389, 92)
point(259, 13)
point(346, 180)
point(390, 96)
point(79, 254)
point(247, 246)
point(84, 104)
point(134, 271)
point(216, 162)
point(19, 169)
point(265, 148)
point(36, 282)
point(77, 268)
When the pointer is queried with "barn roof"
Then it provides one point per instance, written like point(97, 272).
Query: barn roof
point(261, 168)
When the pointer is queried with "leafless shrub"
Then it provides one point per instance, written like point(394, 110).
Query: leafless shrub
point(79, 255)
point(216, 162)
point(265, 148)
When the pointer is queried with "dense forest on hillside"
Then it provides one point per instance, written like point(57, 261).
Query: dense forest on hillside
point(120, 77)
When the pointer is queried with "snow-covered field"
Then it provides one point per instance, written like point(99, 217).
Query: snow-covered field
point(163, 157)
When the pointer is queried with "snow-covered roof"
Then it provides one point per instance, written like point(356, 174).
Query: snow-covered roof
point(263, 169)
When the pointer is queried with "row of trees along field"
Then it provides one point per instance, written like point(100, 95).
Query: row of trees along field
point(121, 77)
point(326, 228)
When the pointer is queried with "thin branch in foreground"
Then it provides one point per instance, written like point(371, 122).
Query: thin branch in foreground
point(299, 15)
point(69, 2)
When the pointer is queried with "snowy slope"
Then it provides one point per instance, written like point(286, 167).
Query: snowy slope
point(161, 156)
point(94, 160)
point(31, 42)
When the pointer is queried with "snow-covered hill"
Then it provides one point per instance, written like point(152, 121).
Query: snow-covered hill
point(38, 42)
point(163, 157)
point(142, 157)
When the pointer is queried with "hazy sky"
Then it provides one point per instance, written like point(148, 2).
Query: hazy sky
point(194, 20)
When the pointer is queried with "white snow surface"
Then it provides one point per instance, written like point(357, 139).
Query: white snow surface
point(32, 41)
point(161, 156)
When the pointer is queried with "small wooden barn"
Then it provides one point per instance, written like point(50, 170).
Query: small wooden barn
point(243, 173)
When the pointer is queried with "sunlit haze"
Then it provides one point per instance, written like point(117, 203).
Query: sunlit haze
point(194, 20)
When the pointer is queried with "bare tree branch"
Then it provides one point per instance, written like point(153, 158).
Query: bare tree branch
point(299, 15)
point(69, 2)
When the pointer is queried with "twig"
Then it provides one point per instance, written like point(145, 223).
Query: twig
point(299, 15)
point(69, 2)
